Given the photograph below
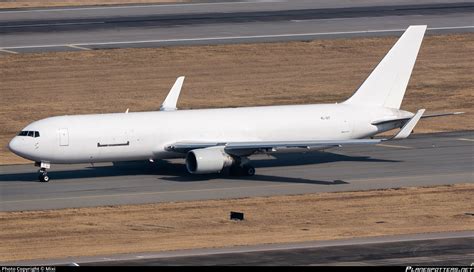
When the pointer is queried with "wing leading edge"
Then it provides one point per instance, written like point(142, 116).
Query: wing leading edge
point(254, 146)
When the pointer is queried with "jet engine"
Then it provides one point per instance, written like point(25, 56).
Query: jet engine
point(208, 160)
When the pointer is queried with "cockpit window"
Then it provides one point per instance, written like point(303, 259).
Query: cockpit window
point(29, 133)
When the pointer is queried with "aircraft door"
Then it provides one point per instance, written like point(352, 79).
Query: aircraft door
point(63, 137)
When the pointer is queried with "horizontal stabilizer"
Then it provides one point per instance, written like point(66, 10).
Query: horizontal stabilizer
point(441, 114)
point(390, 120)
point(172, 99)
point(409, 126)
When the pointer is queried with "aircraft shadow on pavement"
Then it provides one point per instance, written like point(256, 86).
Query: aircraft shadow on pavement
point(279, 160)
point(257, 177)
point(318, 157)
point(177, 171)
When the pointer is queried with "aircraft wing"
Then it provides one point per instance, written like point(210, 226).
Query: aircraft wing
point(239, 148)
point(253, 146)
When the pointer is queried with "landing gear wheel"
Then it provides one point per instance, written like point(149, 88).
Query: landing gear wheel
point(44, 178)
point(245, 170)
point(43, 175)
point(248, 170)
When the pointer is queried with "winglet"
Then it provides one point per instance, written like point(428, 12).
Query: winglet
point(409, 126)
point(170, 101)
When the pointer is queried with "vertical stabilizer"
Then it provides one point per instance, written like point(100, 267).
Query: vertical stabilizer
point(387, 83)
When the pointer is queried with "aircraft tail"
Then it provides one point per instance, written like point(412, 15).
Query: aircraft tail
point(387, 83)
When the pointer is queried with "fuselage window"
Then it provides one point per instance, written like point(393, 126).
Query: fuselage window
point(37, 134)
point(30, 133)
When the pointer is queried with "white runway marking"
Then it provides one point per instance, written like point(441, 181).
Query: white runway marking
point(227, 38)
point(394, 146)
point(464, 139)
point(78, 47)
point(8, 51)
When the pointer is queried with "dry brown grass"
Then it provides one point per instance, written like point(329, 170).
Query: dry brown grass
point(62, 3)
point(35, 86)
point(200, 224)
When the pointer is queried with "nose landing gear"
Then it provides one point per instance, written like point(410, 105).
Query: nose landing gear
point(42, 172)
point(43, 175)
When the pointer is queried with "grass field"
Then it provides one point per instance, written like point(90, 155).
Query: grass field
point(204, 224)
point(71, 3)
point(36, 86)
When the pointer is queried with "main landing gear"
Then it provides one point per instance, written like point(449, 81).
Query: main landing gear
point(42, 172)
point(248, 170)
point(242, 167)
point(242, 170)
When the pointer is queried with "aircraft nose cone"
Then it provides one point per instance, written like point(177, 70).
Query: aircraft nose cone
point(16, 146)
point(13, 145)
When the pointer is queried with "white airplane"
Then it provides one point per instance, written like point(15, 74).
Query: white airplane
point(216, 140)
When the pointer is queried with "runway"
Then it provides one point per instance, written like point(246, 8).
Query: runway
point(72, 29)
point(420, 160)
point(433, 252)
point(434, 249)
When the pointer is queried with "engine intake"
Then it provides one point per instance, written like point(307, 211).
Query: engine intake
point(208, 160)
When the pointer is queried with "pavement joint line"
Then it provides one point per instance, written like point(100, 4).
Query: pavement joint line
point(79, 47)
point(465, 139)
point(144, 193)
point(8, 51)
point(56, 24)
point(232, 37)
point(282, 185)
point(131, 7)
point(395, 146)
point(213, 189)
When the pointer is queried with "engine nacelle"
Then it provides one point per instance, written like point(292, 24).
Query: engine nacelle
point(208, 160)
